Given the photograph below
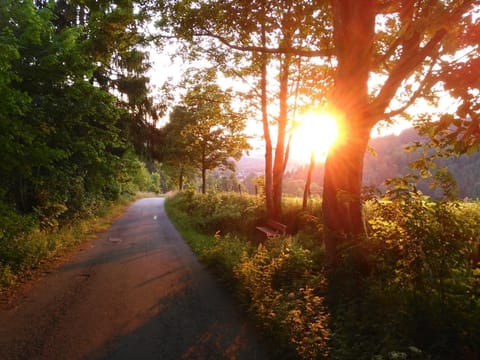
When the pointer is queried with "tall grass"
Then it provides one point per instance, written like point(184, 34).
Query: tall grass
point(24, 254)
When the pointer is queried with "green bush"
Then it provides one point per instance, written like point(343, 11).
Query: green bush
point(154, 182)
point(24, 246)
point(285, 297)
point(225, 254)
point(424, 282)
point(27, 251)
point(12, 223)
point(225, 212)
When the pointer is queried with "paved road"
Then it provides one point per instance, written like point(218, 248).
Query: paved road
point(137, 292)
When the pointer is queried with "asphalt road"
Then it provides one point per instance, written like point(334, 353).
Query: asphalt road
point(137, 292)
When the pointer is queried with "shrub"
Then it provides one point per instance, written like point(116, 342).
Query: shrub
point(225, 254)
point(423, 273)
point(24, 247)
point(154, 182)
point(286, 297)
point(227, 212)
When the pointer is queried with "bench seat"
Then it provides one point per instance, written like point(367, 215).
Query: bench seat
point(272, 228)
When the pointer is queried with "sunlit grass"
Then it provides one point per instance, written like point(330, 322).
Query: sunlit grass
point(270, 280)
point(199, 242)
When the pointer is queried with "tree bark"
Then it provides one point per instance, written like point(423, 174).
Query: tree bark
point(354, 31)
point(279, 163)
point(204, 180)
point(344, 222)
point(306, 192)
point(266, 128)
point(180, 180)
point(268, 142)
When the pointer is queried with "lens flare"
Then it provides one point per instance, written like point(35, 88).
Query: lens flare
point(316, 132)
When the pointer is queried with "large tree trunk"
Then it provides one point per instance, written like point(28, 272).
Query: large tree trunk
point(354, 24)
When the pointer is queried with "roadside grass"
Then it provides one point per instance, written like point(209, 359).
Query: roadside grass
point(29, 254)
point(184, 223)
point(420, 301)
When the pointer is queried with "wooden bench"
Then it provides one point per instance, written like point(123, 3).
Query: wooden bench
point(272, 228)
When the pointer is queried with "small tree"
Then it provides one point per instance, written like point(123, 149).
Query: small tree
point(205, 131)
point(175, 155)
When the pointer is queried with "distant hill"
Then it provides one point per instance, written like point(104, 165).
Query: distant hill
point(251, 164)
point(390, 161)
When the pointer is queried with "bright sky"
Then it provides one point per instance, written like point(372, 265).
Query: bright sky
point(312, 135)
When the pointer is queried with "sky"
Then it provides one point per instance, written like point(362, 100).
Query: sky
point(164, 68)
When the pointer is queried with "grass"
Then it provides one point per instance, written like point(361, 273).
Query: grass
point(28, 255)
point(199, 242)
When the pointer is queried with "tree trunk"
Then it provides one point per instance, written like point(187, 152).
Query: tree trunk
point(306, 192)
point(344, 222)
point(279, 164)
point(204, 180)
point(266, 128)
point(354, 32)
point(268, 142)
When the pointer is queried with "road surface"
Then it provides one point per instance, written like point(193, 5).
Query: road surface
point(137, 292)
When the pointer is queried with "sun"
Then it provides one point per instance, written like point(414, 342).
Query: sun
point(315, 132)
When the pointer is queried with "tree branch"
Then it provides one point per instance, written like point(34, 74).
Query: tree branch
point(406, 65)
point(267, 50)
point(412, 99)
